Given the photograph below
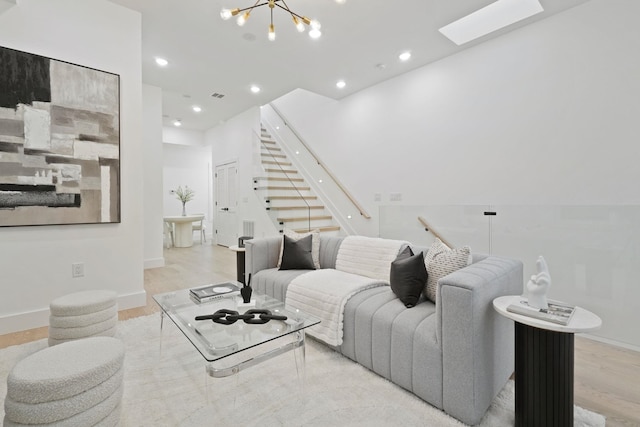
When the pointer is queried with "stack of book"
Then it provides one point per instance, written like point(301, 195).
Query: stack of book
point(557, 312)
point(211, 291)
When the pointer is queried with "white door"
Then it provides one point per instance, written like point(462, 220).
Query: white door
point(226, 185)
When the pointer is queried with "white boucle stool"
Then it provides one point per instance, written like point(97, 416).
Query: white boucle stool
point(83, 314)
point(78, 383)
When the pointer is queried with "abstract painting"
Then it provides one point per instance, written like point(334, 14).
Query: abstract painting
point(59, 142)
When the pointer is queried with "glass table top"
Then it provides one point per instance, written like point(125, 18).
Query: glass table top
point(216, 341)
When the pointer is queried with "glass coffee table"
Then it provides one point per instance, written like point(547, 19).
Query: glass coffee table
point(230, 348)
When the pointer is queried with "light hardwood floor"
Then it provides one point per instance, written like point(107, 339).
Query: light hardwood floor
point(607, 378)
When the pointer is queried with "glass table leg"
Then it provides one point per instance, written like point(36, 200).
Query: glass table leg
point(300, 358)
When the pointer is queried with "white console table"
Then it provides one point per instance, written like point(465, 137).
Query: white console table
point(183, 229)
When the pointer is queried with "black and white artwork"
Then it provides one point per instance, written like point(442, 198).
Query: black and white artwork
point(59, 142)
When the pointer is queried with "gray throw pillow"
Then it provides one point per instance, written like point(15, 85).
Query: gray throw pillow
point(408, 277)
point(296, 254)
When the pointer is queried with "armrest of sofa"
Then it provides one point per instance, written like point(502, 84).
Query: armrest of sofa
point(261, 254)
point(477, 343)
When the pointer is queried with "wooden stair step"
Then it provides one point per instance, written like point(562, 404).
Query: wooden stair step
point(322, 229)
point(272, 156)
point(280, 179)
point(267, 141)
point(293, 208)
point(275, 187)
point(272, 149)
point(271, 162)
point(281, 170)
point(305, 218)
point(291, 198)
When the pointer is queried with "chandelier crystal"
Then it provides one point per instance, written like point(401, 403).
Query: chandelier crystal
point(300, 21)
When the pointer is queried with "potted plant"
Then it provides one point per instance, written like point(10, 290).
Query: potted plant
point(184, 195)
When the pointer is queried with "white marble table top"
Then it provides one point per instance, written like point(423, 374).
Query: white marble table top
point(582, 321)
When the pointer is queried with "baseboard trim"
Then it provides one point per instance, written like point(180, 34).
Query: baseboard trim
point(611, 342)
point(38, 318)
point(153, 263)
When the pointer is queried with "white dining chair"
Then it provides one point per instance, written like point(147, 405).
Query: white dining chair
point(200, 227)
point(168, 235)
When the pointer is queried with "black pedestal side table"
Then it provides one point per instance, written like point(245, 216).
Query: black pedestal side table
point(544, 365)
point(240, 269)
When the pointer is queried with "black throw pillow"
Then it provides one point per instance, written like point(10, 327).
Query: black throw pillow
point(296, 254)
point(408, 277)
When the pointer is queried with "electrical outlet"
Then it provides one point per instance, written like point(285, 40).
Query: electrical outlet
point(77, 269)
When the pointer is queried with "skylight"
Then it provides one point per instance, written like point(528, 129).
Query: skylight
point(489, 19)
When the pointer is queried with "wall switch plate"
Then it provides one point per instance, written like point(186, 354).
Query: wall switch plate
point(77, 269)
point(395, 197)
point(377, 197)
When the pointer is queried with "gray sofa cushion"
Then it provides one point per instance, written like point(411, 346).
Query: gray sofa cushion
point(399, 344)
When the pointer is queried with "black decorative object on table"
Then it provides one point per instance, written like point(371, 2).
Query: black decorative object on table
point(246, 291)
point(229, 317)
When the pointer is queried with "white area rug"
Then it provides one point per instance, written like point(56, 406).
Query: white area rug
point(169, 388)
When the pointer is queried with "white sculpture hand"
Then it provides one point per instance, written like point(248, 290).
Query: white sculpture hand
point(539, 284)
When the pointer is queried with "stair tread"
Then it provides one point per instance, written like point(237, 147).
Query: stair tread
point(292, 208)
point(281, 170)
point(275, 156)
point(322, 229)
point(279, 179)
point(304, 218)
point(291, 198)
point(270, 162)
point(277, 187)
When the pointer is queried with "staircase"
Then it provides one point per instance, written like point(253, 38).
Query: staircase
point(286, 195)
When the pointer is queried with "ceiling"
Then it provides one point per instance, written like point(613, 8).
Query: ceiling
point(360, 43)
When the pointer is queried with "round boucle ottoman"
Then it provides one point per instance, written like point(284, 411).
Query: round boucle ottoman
point(74, 383)
point(82, 314)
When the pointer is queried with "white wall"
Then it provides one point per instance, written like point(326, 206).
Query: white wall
point(174, 135)
point(547, 114)
point(236, 140)
point(187, 166)
point(36, 261)
point(153, 163)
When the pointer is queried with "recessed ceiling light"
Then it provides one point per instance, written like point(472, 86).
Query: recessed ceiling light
point(162, 62)
point(197, 108)
point(177, 123)
point(255, 89)
point(404, 56)
point(341, 84)
point(489, 19)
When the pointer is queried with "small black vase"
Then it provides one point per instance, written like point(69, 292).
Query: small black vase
point(246, 293)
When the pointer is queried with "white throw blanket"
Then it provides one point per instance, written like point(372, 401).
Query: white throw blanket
point(368, 256)
point(324, 293)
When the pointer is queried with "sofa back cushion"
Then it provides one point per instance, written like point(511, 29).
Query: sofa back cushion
point(368, 256)
point(329, 246)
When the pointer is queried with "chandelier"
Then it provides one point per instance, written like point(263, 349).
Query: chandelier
point(300, 21)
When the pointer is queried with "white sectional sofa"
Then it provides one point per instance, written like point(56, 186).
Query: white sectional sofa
point(455, 354)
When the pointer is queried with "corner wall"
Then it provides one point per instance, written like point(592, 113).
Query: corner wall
point(234, 140)
point(546, 114)
point(36, 261)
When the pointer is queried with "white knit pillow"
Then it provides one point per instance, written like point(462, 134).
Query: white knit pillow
point(440, 261)
point(315, 244)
